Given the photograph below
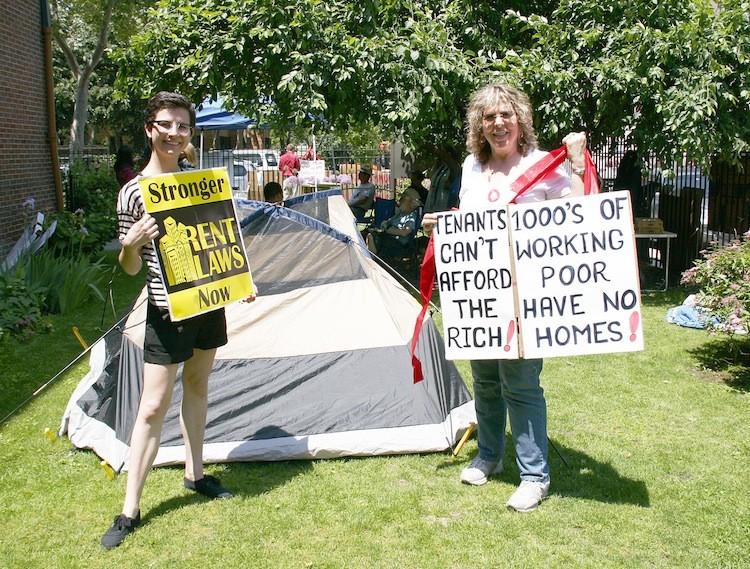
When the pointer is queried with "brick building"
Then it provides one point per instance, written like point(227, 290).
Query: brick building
point(25, 157)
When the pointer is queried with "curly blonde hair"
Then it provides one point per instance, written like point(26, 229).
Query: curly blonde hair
point(489, 97)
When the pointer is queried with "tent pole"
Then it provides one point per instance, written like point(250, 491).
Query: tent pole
point(62, 371)
point(200, 165)
point(558, 453)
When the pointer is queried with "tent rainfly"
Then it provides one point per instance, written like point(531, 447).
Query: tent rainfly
point(318, 366)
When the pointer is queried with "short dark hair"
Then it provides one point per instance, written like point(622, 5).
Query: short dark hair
point(124, 157)
point(168, 100)
point(272, 190)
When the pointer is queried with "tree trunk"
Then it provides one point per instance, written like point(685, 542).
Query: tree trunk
point(80, 115)
point(82, 75)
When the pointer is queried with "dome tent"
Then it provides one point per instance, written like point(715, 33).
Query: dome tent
point(319, 366)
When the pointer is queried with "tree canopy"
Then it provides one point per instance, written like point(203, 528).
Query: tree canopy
point(82, 30)
point(672, 75)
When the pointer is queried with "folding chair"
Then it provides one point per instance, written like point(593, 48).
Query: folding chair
point(383, 209)
point(409, 260)
point(367, 219)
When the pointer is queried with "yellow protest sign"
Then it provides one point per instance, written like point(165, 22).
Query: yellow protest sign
point(200, 249)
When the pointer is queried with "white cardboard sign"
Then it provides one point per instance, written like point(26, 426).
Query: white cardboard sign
point(473, 268)
point(567, 285)
point(312, 171)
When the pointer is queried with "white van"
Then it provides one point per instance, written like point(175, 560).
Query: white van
point(262, 159)
point(245, 161)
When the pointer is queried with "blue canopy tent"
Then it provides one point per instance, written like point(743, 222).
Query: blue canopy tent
point(213, 116)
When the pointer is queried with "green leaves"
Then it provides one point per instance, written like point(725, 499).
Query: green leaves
point(723, 275)
point(672, 74)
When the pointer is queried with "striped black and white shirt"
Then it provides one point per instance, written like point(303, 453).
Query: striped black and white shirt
point(129, 210)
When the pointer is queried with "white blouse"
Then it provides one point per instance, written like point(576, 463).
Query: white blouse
point(478, 193)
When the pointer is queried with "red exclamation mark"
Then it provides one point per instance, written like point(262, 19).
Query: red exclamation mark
point(634, 318)
point(509, 336)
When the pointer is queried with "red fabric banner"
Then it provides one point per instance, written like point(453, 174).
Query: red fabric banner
point(548, 164)
point(426, 284)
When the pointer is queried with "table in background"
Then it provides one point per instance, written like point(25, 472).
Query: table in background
point(320, 187)
point(667, 236)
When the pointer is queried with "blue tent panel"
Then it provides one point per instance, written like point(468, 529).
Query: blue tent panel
point(213, 116)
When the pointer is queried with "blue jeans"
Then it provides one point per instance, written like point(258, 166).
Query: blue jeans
point(512, 386)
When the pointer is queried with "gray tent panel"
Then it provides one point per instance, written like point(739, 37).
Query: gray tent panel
point(286, 400)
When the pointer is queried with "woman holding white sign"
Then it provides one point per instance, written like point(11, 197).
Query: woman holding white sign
point(502, 146)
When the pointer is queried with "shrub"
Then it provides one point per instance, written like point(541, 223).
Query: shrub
point(46, 283)
point(723, 275)
point(76, 233)
point(21, 306)
point(93, 199)
point(69, 280)
point(95, 186)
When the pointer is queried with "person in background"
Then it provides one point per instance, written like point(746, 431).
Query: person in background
point(394, 235)
point(310, 156)
point(453, 200)
point(628, 177)
point(124, 165)
point(416, 179)
point(289, 162)
point(169, 126)
point(363, 194)
point(188, 159)
point(439, 177)
point(273, 193)
point(502, 145)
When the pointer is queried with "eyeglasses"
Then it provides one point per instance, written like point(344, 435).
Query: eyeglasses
point(165, 127)
point(505, 115)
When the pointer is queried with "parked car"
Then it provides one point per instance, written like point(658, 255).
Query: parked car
point(239, 172)
point(685, 176)
point(262, 159)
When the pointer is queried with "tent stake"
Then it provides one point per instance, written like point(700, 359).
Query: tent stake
point(463, 440)
point(108, 470)
point(50, 434)
point(80, 338)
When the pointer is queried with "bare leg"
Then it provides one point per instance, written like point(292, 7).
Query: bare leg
point(194, 407)
point(158, 383)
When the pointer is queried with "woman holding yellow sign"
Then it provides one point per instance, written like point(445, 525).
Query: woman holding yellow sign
point(502, 146)
point(169, 121)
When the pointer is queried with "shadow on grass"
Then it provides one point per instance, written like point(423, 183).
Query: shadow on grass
point(726, 360)
point(246, 479)
point(587, 478)
point(670, 297)
point(575, 474)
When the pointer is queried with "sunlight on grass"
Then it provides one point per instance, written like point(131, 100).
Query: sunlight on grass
point(656, 453)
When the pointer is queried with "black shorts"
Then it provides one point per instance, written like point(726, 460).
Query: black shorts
point(168, 342)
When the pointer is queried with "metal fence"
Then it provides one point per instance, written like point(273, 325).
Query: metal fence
point(702, 208)
point(248, 177)
point(91, 157)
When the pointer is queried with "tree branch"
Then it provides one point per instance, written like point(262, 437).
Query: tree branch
point(70, 57)
point(101, 43)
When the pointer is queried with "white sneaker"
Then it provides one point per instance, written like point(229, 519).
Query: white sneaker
point(479, 471)
point(528, 496)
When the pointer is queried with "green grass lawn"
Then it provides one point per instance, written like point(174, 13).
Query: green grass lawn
point(656, 442)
